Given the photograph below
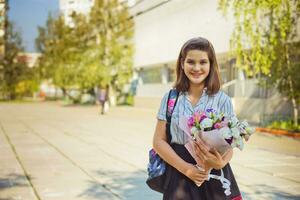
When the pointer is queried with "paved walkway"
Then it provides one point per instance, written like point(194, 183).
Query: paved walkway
point(48, 151)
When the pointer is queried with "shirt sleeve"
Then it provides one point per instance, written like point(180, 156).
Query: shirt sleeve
point(227, 107)
point(161, 115)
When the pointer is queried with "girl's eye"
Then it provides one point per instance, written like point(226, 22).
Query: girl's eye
point(190, 62)
point(203, 62)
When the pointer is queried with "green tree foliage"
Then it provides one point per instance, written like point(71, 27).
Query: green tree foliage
point(95, 50)
point(17, 79)
point(113, 34)
point(56, 44)
point(266, 44)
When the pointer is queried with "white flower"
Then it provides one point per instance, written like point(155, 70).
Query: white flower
point(206, 123)
point(194, 131)
point(218, 117)
point(234, 121)
point(245, 128)
point(250, 130)
point(243, 131)
point(235, 132)
point(244, 124)
point(226, 132)
point(238, 142)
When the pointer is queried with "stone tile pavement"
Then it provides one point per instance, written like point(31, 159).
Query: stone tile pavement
point(48, 151)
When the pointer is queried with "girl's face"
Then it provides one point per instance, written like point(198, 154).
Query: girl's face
point(196, 66)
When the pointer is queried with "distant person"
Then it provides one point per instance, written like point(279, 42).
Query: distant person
point(103, 98)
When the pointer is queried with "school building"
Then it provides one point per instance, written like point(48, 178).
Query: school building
point(162, 27)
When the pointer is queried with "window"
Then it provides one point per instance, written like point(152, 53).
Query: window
point(151, 75)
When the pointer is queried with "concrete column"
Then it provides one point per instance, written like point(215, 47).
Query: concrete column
point(164, 74)
point(242, 80)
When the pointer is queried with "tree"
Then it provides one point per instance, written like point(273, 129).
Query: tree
point(17, 79)
point(94, 50)
point(112, 32)
point(56, 46)
point(266, 44)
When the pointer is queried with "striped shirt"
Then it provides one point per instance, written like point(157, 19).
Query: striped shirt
point(220, 102)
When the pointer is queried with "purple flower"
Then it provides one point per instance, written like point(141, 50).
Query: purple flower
point(209, 110)
point(202, 116)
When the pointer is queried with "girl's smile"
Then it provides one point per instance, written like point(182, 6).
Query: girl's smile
point(196, 75)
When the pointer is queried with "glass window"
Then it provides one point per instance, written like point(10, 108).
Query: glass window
point(151, 75)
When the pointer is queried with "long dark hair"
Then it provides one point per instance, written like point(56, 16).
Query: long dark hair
point(213, 80)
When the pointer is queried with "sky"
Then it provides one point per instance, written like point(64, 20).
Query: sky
point(27, 15)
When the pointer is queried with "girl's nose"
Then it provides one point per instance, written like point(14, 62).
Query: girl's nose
point(197, 67)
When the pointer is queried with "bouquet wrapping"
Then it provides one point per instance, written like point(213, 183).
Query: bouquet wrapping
point(214, 130)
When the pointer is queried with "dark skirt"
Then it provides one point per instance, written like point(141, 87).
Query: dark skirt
point(180, 187)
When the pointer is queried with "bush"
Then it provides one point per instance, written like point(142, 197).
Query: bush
point(285, 125)
point(26, 88)
point(125, 99)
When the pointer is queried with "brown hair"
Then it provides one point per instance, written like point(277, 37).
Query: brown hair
point(213, 80)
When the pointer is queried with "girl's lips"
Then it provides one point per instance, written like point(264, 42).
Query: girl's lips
point(197, 74)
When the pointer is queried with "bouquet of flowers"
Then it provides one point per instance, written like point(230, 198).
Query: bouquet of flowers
point(215, 130)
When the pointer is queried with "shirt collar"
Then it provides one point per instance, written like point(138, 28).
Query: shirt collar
point(203, 93)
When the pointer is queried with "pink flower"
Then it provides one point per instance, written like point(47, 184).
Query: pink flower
point(191, 122)
point(218, 125)
point(196, 117)
point(224, 123)
point(202, 116)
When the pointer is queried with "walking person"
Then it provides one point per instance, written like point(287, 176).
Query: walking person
point(198, 85)
point(103, 97)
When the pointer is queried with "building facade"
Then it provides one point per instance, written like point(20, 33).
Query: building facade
point(29, 58)
point(162, 27)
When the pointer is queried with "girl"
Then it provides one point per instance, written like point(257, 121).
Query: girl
point(198, 83)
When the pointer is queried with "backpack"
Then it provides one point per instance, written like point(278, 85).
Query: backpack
point(157, 168)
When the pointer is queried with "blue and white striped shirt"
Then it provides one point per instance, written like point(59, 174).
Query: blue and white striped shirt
point(220, 102)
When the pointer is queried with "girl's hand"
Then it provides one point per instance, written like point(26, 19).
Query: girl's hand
point(196, 174)
point(211, 159)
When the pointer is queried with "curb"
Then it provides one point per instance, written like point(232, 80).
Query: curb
point(279, 132)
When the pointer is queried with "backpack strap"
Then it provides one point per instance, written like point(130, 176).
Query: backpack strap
point(171, 103)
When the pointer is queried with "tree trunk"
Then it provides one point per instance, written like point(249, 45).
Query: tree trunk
point(293, 99)
point(64, 92)
point(295, 108)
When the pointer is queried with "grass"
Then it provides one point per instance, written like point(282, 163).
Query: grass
point(18, 101)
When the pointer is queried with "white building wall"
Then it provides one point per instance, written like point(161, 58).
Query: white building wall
point(160, 33)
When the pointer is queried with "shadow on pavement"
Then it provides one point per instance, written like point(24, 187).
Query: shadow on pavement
point(265, 191)
point(12, 180)
point(132, 186)
point(127, 185)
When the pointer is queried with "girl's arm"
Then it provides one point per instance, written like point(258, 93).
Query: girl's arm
point(166, 152)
